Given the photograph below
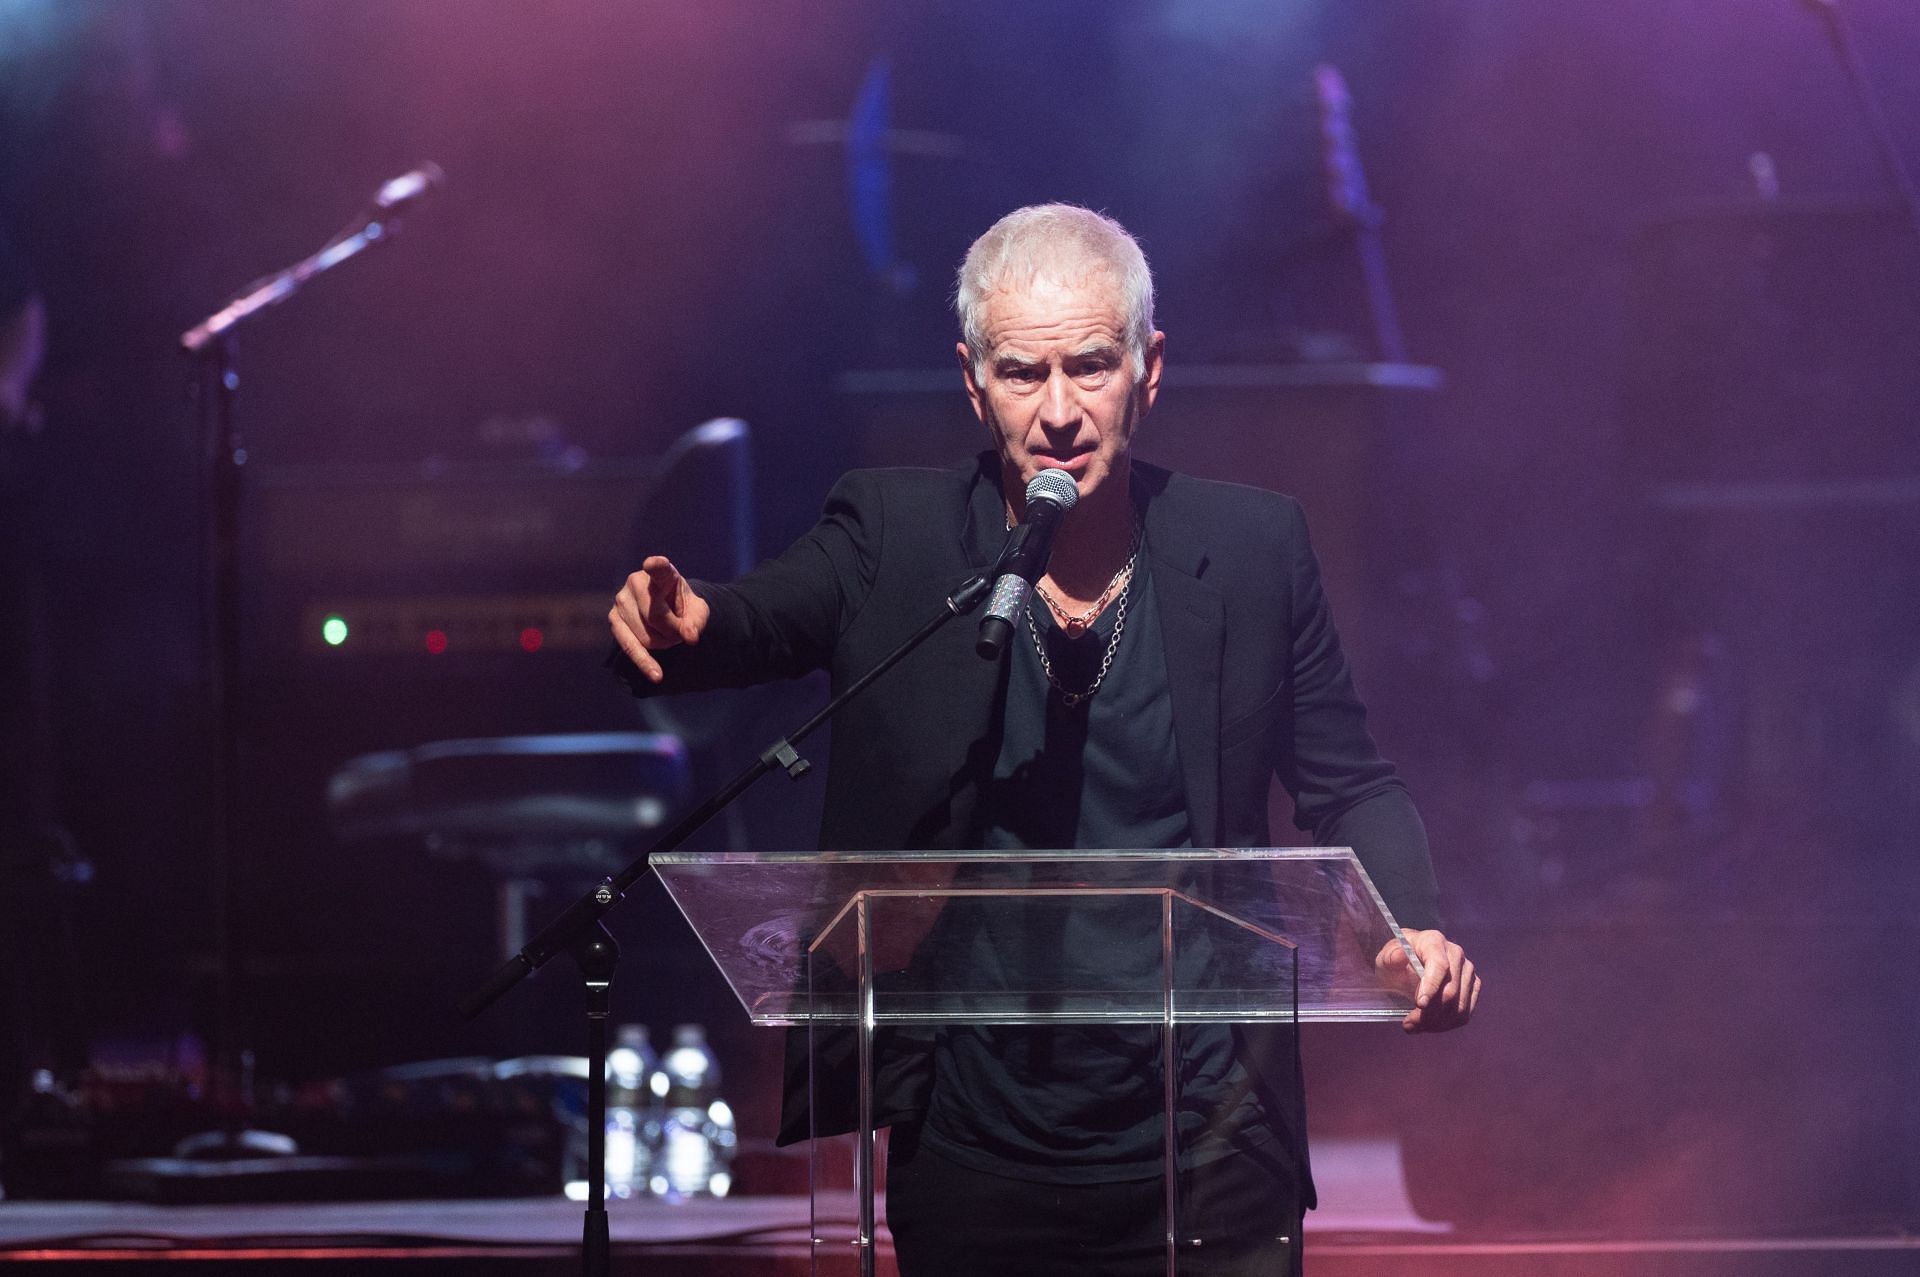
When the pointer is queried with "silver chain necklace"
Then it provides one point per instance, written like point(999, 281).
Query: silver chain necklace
point(1113, 643)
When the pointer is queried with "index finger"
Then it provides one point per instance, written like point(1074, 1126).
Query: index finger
point(671, 593)
point(1434, 962)
point(664, 577)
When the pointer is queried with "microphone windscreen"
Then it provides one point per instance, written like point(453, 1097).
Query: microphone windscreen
point(1055, 486)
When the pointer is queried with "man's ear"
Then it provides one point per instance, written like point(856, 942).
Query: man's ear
point(1149, 387)
point(975, 395)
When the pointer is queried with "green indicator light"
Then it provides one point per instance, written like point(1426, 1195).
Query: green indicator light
point(334, 630)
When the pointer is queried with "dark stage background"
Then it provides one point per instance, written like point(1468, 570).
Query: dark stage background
point(1631, 576)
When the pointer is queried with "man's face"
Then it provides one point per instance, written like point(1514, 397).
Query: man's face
point(1054, 386)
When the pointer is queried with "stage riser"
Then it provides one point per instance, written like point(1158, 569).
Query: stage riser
point(1322, 1261)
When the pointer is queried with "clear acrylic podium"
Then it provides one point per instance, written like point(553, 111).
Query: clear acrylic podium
point(1156, 952)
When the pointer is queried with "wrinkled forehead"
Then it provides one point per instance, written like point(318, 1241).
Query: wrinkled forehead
point(1086, 306)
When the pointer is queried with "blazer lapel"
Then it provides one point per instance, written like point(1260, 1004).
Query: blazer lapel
point(1193, 627)
point(983, 532)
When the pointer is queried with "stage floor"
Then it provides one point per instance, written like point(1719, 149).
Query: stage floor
point(541, 1221)
point(752, 1236)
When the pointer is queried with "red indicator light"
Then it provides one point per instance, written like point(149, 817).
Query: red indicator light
point(531, 639)
point(436, 641)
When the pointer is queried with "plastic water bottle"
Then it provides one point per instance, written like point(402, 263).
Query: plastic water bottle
point(633, 1122)
point(697, 1135)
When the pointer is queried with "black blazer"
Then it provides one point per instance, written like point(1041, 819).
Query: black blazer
point(1254, 667)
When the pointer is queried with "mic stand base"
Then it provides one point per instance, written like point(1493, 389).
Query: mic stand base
point(596, 954)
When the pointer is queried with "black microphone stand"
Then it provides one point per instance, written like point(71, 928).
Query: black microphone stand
point(580, 933)
point(211, 342)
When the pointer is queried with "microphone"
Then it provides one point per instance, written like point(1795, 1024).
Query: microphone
point(409, 187)
point(1050, 494)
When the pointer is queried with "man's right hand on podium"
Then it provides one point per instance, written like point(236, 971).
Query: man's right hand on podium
point(655, 609)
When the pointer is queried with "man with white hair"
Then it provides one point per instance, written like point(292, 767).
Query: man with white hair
point(1178, 655)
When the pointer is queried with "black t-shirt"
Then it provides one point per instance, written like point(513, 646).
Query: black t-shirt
point(1079, 1104)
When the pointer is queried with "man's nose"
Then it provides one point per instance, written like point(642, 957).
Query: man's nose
point(1059, 407)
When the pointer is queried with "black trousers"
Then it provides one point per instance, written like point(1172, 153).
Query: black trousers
point(950, 1219)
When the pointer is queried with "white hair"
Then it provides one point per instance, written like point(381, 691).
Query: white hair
point(1062, 244)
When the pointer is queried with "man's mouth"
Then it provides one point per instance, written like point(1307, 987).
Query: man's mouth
point(1072, 462)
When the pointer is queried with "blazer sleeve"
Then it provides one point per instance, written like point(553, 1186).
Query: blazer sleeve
point(782, 619)
point(1345, 794)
